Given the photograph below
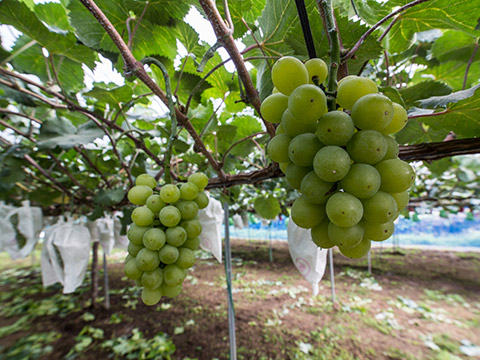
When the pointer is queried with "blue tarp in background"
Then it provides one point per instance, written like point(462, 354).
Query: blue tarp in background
point(426, 229)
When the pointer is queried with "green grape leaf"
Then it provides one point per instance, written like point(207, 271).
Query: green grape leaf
point(416, 132)
point(435, 14)
point(438, 167)
point(70, 73)
point(220, 79)
point(160, 12)
point(267, 207)
point(114, 96)
point(462, 117)
point(23, 19)
point(442, 101)
point(109, 197)
point(62, 133)
point(455, 45)
point(245, 126)
point(54, 15)
point(452, 73)
point(180, 146)
point(189, 38)
point(423, 90)
point(264, 81)
point(246, 10)
point(150, 39)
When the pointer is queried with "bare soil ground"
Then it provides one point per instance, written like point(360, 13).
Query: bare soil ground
point(417, 304)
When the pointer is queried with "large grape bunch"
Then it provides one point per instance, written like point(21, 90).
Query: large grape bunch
point(164, 234)
point(344, 162)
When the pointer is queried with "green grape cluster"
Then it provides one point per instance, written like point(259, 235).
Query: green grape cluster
point(344, 162)
point(164, 234)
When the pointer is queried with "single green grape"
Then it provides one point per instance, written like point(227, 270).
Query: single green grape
point(142, 216)
point(171, 291)
point(362, 181)
point(305, 214)
point(192, 244)
point(358, 251)
point(280, 129)
point(173, 275)
point(335, 128)
point(397, 175)
point(288, 73)
point(128, 258)
point(273, 107)
point(277, 148)
point(139, 194)
point(152, 279)
point(188, 191)
point(145, 179)
point(168, 254)
point(399, 120)
point(199, 179)
point(201, 200)
point(303, 148)
point(316, 190)
point(401, 199)
point(176, 235)
point(147, 260)
point(135, 233)
point(320, 235)
point(346, 237)
point(293, 127)
point(378, 231)
point(154, 239)
point(192, 227)
point(283, 166)
point(392, 148)
point(133, 249)
point(170, 216)
point(331, 163)
point(295, 174)
point(169, 193)
point(151, 297)
point(307, 103)
point(132, 271)
point(317, 71)
point(155, 203)
point(351, 88)
point(344, 209)
point(379, 208)
point(188, 209)
point(367, 147)
point(186, 258)
point(373, 112)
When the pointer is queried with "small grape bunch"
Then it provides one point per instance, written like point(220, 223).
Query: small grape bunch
point(164, 234)
point(344, 163)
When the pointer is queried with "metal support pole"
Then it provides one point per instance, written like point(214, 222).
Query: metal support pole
point(270, 251)
point(106, 286)
point(332, 276)
point(228, 274)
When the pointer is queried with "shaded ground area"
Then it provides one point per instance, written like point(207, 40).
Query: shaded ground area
point(417, 304)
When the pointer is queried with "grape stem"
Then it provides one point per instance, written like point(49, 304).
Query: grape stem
point(326, 11)
point(173, 118)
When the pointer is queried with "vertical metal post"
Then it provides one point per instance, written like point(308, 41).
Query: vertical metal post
point(369, 259)
point(228, 274)
point(106, 286)
point(332, 276)
point(270, 251)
